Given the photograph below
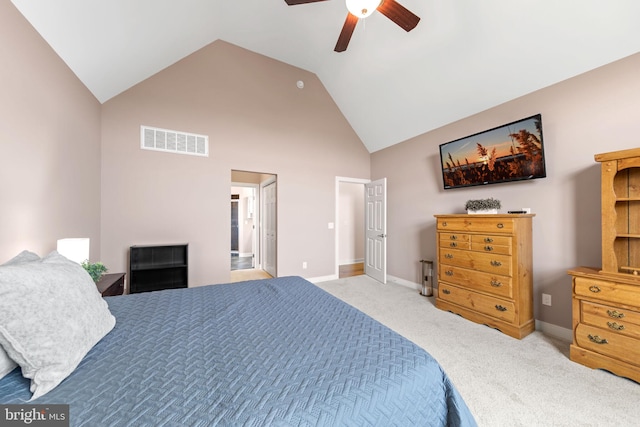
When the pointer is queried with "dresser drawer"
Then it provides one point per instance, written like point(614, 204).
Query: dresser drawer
point(626, 322)
point(491, 239)
point(487, 262)
point(491, 248)
point(494, 307)
point(479, 225)
point(609, 343)
point(454, 237)
point(477, 280)
point(455, 240)
point(607, 291)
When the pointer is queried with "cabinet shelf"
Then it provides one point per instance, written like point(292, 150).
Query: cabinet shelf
point(158, 267)
point(606, 302)
point(626, 235)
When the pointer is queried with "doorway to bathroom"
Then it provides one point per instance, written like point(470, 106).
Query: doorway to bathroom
point(253, 225)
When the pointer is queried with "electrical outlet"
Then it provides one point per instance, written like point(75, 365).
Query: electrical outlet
point(304, 265)
point(546, 299)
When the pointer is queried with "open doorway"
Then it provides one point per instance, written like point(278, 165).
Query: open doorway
point(350, 226)
point(253, 226)
point(351, 195)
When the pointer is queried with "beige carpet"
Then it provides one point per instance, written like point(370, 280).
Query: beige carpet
point(505, 381)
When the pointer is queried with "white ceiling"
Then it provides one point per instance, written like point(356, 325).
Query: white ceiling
point(463, 57)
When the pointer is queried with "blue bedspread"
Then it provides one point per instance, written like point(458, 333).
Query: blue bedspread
point(269, 352)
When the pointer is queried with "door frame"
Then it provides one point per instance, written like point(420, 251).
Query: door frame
point(256, 221)
point(340, 179)
point(263, 212)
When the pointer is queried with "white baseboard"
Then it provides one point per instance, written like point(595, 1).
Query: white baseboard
point(403, 282)
point(352, 261)
point(322, 278)
point(555, 331)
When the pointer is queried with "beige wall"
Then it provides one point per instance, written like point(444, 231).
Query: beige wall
point(257, 120)
point(592, 113)
point(49, 145)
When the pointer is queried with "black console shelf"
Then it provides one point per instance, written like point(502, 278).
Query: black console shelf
point(158, 267)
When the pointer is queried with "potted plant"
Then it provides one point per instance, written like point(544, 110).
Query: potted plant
point(482, 206)
point(95, 270)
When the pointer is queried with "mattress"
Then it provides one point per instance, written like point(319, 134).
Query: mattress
point(266, 352)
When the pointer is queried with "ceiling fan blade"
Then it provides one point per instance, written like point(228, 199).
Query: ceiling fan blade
point(295, 2)
point(399, 14)
point(345, 34)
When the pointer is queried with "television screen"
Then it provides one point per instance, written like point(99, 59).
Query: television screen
point(511, 152)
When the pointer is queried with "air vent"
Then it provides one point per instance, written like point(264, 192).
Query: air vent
point(172, 141)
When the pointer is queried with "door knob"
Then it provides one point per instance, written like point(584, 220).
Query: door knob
point(382, 235)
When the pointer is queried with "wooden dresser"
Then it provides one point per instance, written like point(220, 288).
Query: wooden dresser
point(485, 270)
point(606, 322)
point(606, 301)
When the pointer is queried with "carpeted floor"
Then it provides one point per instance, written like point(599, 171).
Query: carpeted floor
point(505, 381)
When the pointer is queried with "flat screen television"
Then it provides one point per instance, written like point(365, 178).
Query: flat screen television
point(511, 152)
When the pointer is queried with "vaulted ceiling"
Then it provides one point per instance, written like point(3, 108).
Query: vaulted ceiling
point(463, 57)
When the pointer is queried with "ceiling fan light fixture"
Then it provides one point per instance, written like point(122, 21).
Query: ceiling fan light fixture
point(362, 8)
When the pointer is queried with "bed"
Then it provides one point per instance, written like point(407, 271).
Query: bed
point(266, 352)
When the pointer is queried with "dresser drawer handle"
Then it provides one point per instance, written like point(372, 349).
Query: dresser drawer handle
point(448, 256)
point(615, 314)
point(496, 284)
point(615, 326)
point(500, 225)
point(596, 339)
point(501, 308)
point(453, 237)
point(488, 248)
point(595, 289)
point(449, 273)
point(496, 263)
point(446, 291)
point(488, 240)
point(444, 224)
point(453, 244)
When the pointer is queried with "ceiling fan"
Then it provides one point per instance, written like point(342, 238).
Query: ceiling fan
point(358, 9)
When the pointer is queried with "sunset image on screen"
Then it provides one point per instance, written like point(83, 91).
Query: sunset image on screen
point(507, 153)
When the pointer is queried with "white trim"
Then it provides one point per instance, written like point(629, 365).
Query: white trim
point(351, 261)
point(405, 283)
point(336, 221)
point(322, 278)
point(554, 331)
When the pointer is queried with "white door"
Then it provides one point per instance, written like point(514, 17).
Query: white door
point(375, 255)
point(269, 228)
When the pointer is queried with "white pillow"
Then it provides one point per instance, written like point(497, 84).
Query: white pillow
point(51, 315)
point(6, 363)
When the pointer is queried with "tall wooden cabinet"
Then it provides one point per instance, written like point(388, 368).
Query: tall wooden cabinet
point(606, 301)
point(485, 270)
